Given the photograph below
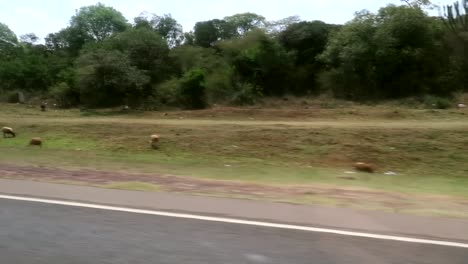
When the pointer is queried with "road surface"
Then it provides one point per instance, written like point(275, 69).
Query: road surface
point(57, 234)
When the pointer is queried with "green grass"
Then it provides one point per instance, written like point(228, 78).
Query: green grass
point(428, 153)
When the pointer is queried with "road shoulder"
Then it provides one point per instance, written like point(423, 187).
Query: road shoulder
point(315, 216)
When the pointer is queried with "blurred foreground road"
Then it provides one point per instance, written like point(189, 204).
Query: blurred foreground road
point(33, 232)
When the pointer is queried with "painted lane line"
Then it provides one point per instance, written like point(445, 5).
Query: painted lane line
point(238, 221)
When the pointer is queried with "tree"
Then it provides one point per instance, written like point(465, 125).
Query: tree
point(421, 4)
point(349, 56)
point(30, 38)
point(8, 42)
point(69, 40)
point(306, 40)
point(189, 38)
point(406, 60)
point(107, 78)
point(6, 35)
point(169, 28)
point(98, 22)
point(90, 24)
point(455, 18)
point(246, 22)
point(389, 54)
point(146, 50)
point(165, 25)
point(278, 26)
point(260, 61)
point(208, 32)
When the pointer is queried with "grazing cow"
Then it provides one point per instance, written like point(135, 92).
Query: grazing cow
point(8, 131)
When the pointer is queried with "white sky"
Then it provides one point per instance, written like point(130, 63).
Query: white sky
point(48, 16)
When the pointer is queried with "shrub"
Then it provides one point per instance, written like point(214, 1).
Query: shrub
point(64, 95)
point(192, 90)
point(437, 102)
point(246, 94)
point(219, 87)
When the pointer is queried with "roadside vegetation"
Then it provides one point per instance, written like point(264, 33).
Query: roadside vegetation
point(100, 59)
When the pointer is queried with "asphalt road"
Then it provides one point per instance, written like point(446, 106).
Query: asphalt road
point(55, 234)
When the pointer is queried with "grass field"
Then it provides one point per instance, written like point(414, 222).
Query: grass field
point(291, 145)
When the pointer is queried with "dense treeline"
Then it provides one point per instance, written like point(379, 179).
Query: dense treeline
point(101, 60)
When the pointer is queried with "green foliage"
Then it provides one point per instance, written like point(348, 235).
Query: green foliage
point(435, 102)
point(101, 60)
point(8, 42)
point(208, 32)
point(218, 72)
point(220, 85)
point(306, 40)
point(192, 90)
point(98, 22)
point(259, 60)
point(384, 55)
point(165, 25)
point(168, 93)
point(246, 22)
point(146, 49)
point(64, 95)
point(456, 21)
point(6, 35)
point(107, 78)
point(245, 94)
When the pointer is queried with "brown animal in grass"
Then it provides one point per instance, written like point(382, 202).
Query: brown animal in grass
point(8, 131)
point(154, 141)
point(35, 142)
point(365, 167)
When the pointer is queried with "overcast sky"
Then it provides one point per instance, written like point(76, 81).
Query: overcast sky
point(48, 16)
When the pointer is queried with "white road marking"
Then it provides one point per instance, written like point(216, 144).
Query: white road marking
point(239, 221)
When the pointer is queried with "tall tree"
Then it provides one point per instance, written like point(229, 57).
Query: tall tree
point(388, 54)
point(98, 22)
point(275, 27)
point(6, 35)
point(107, 78)
point(455, 18)
point(246, 22)
point(306, 40)
point(259, 60)
point(8, 42)
point(208, 32)
point(146, 49)
point(422, 4)
point(30, 38)
point(165, 25)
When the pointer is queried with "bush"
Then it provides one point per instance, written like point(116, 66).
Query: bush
point(64, 95)
point(437, 102)
point(168, 92)
point(219, 86)
point(247, 94)
point(107, 78)
point(192, 90)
